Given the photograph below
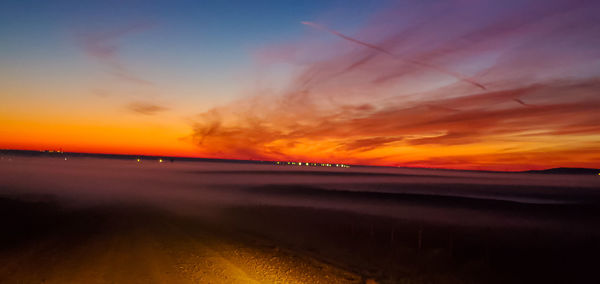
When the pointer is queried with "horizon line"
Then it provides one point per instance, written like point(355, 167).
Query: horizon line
point(48, 151)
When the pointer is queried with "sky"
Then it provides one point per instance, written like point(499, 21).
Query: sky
point(465, 84)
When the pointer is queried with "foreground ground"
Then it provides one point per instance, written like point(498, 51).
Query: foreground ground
point(119, 221)
point(137, 245)
point(46, 243)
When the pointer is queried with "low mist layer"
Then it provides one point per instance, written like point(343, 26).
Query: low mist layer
point(205, 187)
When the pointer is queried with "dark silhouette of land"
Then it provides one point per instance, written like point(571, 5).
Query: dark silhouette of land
point(97, 220)
point(567, 171)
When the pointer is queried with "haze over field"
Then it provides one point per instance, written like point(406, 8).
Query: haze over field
point(82, 219)
point(187, 187)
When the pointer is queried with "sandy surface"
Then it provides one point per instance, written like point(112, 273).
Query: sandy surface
point(152, 248)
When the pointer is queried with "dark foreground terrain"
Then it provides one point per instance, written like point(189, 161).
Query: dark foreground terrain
point(94, 221)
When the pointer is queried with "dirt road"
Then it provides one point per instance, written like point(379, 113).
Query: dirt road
point(151, 249)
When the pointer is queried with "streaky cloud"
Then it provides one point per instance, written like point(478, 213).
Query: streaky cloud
point(102, 46)
point(361, 105)
point(382, 50)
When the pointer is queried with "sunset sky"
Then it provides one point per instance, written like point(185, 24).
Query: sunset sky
point(466, 84)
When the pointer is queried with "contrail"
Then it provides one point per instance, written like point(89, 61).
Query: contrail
point(317, 26)
point(522, 102)
point(382, 50)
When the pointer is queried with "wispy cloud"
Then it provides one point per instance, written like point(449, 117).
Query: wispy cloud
point(360, 105)
point(103, 46)
point(384, 51)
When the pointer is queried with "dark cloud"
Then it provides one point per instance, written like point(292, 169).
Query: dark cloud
point(146, 108)
point(365, 144)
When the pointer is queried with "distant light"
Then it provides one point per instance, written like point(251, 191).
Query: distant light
point(65, 159)
point(160, 160)
point(138, 160)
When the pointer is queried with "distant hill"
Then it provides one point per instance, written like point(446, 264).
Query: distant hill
point(566, 171)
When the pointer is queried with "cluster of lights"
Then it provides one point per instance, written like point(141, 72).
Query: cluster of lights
point(52, 151)
point(311, 164)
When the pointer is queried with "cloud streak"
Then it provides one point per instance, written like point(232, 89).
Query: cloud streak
point(146, 108)
point(356, 105)
point(103, 47)
point(382, 50)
